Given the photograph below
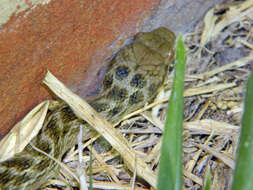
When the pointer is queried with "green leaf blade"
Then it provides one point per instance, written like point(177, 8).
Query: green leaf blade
point(243, 175)
point(170, 171)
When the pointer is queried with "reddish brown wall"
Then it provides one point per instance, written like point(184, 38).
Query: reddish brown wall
point(68, 37)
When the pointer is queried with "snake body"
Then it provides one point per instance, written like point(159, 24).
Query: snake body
point(133, 79)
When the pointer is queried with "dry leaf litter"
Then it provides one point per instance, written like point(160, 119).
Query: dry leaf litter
point(219, 60)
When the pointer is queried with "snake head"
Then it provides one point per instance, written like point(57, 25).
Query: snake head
point(161, 40)
point(154, 52)
point(136, 73)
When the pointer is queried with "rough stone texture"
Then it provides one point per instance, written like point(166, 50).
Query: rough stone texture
point(179, 15)
point(65, 37)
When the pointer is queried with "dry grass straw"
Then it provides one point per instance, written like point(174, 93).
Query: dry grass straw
point(103, 127)
point(23, 132)
point(214, 23)
point(214, 97)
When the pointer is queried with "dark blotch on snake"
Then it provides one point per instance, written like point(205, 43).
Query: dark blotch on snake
point(99, 107)
point(117, 94)
point(136, 97)
point(122, 72)
point(138, 81)
point(115, 110)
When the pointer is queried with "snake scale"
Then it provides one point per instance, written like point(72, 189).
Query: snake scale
point(133, 78)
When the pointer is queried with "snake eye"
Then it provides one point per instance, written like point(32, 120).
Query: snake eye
point(122, 72)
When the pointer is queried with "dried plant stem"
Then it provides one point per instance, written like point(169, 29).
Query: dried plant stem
point(113, 136)
point(83, 185)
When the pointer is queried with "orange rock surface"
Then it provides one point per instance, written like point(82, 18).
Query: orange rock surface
point(71, 38)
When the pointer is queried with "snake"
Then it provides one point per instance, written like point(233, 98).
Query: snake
point(133, 78)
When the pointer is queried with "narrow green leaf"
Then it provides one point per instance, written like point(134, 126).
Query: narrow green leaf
point(90, 174)
point(207, 184)
point(243, 175)
point(170, 171)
